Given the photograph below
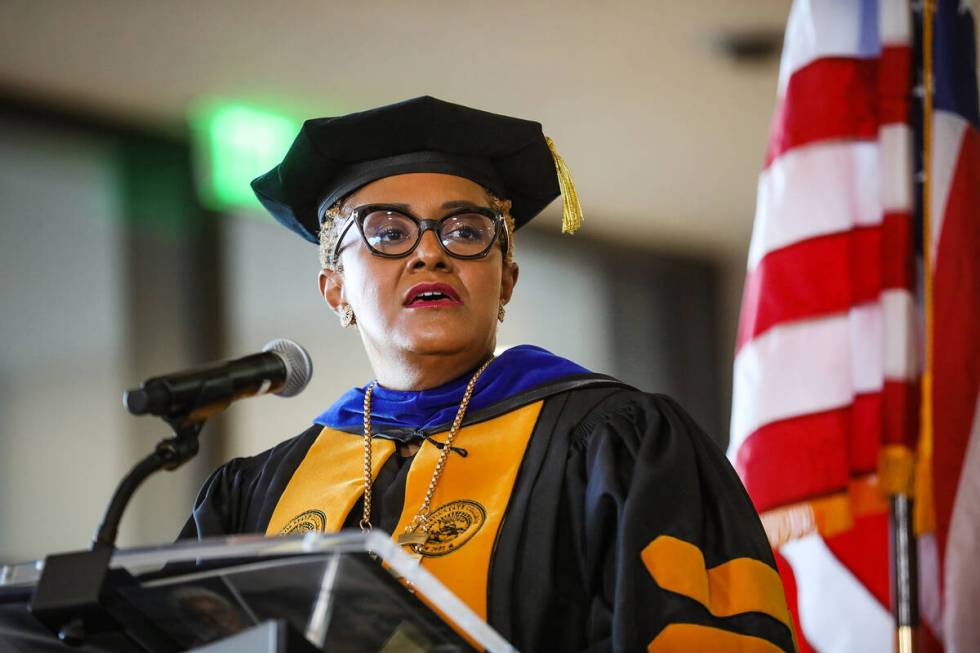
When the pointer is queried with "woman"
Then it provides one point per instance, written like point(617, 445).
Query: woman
point(571, 511)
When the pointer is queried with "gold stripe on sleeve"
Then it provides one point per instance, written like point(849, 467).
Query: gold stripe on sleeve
point(737, 586)
point(683, 638)
point(327, 483)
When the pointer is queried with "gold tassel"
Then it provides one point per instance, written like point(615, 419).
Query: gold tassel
point(571, 209)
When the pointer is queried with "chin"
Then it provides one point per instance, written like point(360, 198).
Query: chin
point(438, 345)
point(440, 339)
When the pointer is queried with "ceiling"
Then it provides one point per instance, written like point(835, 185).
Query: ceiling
point(663, 133)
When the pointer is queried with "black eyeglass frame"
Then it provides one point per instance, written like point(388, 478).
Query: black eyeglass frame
point(358, 215)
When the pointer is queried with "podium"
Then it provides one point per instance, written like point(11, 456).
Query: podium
point(345, 592)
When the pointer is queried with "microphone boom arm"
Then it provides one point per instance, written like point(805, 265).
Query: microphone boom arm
point(169, 454)
point(69, 596)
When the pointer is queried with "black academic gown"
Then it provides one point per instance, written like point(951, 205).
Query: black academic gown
point(626, 527)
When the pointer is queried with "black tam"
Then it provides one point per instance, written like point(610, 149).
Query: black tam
point(332, 157)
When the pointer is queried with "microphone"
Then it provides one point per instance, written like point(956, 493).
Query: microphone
point(283, 368)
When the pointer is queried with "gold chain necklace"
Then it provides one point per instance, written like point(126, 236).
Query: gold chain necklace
point(416, 533)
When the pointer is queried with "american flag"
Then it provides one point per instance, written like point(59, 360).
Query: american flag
point(831, 348)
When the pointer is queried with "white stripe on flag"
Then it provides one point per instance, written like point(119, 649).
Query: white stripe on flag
point(896, 168)
point(901, 358)
point(894, 22)
point(947, 139)
point(837, 614)
point(962, 587)
point(867, 348)
point(815, 190)
point(930, 606)
point(806, 367)
point(827, 28)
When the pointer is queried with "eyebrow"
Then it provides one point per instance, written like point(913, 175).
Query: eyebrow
point(400, 207)
point(462, 204)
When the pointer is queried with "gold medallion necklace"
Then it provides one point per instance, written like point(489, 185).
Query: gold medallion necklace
point(416, 534)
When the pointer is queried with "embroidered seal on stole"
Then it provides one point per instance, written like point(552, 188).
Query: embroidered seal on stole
point(452, 526)
point(305, 522)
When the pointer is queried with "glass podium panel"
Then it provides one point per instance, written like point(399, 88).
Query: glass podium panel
point(343, 592)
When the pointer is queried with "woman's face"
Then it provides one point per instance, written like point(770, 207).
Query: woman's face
point(381, 291)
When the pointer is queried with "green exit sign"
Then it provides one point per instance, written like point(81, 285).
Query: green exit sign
point(235, 142)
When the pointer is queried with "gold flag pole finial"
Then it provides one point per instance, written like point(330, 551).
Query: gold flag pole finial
point(571, 209)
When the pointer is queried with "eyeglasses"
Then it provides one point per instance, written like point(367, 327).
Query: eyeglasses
point(393, 232)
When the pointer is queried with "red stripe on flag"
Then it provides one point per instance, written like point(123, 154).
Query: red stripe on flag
point(928, 642)
point(956, 361)
point(898, 251)
point(860, 550)
point(829, 99)
point(864, 426)
point(894, 84)
point(794, 459)
point(900, 413)
point(819, 276)
point(812, 455)
point(842, 98)
point(789, 587)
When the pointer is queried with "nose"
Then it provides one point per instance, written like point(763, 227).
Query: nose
point(430, 253)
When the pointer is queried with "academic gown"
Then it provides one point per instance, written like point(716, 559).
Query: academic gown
point(574, 513)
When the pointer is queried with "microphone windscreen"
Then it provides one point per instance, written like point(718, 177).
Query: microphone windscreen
point(299, 365)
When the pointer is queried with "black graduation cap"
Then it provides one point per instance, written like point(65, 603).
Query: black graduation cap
point(333, 157)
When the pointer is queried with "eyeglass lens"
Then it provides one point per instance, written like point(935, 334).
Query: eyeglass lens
point(392, 234)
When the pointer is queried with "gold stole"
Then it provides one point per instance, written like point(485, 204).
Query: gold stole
point(467, 509)
point(327, 483)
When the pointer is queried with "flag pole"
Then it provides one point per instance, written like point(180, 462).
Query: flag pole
point(904, 559)
point(904, 574)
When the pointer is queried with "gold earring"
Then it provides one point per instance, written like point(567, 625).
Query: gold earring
point(347, 317)
point(500, 312)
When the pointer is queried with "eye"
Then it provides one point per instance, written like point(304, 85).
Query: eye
point(386, 229)
point(461, 232)
point(467, 228)
point(391, 234)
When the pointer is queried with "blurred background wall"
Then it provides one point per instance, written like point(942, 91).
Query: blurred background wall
point(118, 265)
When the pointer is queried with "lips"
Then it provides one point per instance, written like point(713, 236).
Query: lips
point(431, 294)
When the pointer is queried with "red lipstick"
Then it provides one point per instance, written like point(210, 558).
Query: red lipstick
point(425, 295)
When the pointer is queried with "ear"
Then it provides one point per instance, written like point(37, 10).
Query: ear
point(332, 288)
point(508, 280)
